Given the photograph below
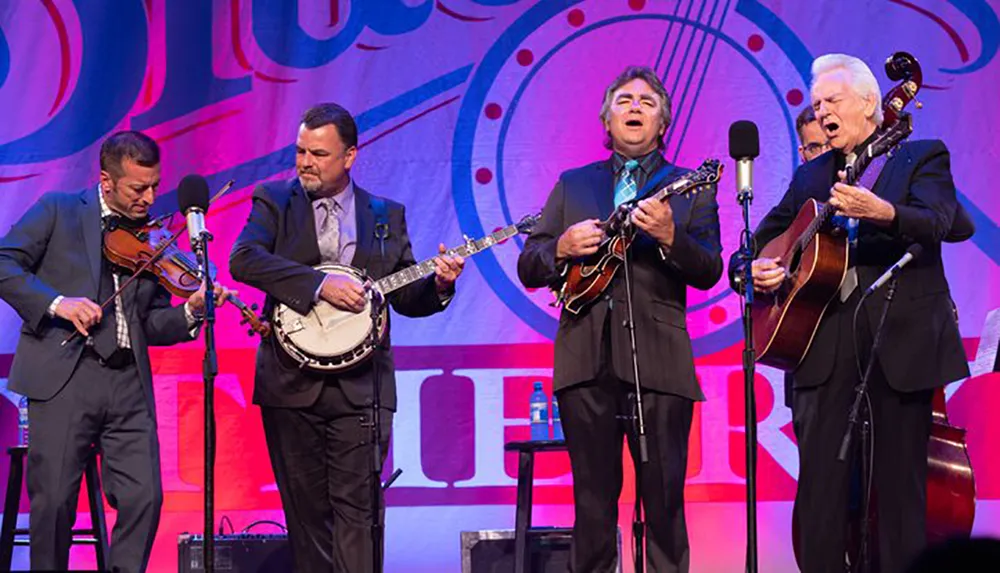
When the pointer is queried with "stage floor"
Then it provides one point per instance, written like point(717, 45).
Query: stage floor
point(426, 539)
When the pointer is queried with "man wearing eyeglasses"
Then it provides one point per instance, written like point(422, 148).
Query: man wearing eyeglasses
point(812, 140)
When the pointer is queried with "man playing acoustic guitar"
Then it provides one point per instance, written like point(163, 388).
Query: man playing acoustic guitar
point(912, 200)
point(676, 245)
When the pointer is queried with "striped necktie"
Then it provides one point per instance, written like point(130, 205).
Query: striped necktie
point(625, 188)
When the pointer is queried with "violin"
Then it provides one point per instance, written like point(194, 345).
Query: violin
point(151, 248)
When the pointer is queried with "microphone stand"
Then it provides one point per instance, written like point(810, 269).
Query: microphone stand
point(377, 303)
point(745, 197)
point(210, 368)
point(376, 437)
point(861, 392)
point(638, 526)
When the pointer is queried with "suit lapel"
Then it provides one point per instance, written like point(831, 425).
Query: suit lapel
point(603, 192)
point(365, 219)
point(885, 177)
point(304, 225)
point(90, 222)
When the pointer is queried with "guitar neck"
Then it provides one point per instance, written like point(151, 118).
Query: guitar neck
point(854, 171)
point(414, 273)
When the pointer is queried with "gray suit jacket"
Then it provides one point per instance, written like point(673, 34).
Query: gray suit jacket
point(55, 249)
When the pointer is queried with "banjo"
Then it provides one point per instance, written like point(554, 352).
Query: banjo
point(329, 339)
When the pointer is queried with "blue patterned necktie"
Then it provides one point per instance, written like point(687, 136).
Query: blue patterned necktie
point(625, 188)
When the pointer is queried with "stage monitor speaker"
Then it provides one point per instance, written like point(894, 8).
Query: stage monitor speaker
point(237, 553)
point(492, 551)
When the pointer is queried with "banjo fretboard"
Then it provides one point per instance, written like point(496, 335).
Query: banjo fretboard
point(411, 274)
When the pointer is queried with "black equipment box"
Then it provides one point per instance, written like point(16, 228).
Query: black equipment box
point(492, 551)
point(236, 553)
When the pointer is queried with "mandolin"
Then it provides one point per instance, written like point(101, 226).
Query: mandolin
point(588, 277)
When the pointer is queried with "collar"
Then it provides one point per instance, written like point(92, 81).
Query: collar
point(862, 145)
point(105, 210)
point(341, 200)
point(648, 163)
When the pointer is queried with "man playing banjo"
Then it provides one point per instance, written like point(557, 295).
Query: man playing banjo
point(315, 415)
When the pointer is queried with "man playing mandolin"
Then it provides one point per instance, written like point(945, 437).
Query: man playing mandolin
point(908, 199)
point(96, 389)
point(676, 245)
point(317, 424)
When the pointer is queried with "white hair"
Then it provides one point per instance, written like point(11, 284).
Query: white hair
point(862, 80)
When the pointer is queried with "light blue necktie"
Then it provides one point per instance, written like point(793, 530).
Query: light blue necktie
point(625, 188)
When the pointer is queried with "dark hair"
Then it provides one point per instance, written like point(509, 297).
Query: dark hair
point(805, 117)
point(138, 147)
point(647, 75)
point(333, 114)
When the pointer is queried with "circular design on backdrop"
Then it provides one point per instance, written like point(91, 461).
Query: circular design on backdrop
point(755, 43)
point(493, 111)
point(501, 79)
point(794, 97)
point(483, 176)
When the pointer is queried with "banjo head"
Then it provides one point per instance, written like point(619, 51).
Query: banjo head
point(328, 338)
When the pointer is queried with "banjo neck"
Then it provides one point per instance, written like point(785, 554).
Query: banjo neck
point(411, 274)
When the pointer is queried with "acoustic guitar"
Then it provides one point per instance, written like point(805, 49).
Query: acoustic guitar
point(814, 250)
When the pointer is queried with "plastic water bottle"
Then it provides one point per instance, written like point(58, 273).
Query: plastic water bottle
point(539, 414)
point(22, 421)
point(557, 432)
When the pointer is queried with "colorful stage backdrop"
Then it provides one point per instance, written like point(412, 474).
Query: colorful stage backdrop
point(468, 110)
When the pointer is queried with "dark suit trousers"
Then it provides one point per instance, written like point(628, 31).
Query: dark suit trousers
point(322, 462)
point(901, 428)
point(108, 408)
point(595, 417)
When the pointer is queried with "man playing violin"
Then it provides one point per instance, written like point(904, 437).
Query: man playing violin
point(911, 201)
point(317, 424)
point(95, 392)
point(677, 245)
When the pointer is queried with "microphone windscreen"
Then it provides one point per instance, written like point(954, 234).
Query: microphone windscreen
point(744, 141)
point(193, 192)
point(915, 250)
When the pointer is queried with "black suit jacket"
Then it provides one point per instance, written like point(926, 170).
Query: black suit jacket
point(55, 249)
point(275, 253)
point(922, 347)
point(666, 361)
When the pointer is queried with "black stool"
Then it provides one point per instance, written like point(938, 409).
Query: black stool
point(525, 477)
point(96, 535)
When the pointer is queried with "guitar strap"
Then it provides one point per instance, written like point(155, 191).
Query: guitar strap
point(381, 222)
point(867, 180)
point(653, 183)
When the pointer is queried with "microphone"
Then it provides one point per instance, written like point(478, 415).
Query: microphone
point(192, 196)
point(744, 146)
point(911, 253)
